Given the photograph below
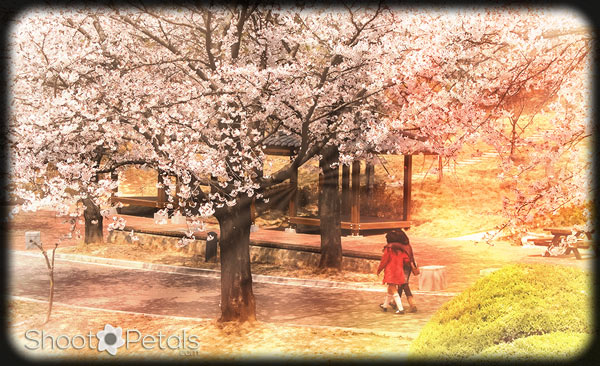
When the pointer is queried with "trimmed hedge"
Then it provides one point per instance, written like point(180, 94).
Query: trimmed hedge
point(514, 302)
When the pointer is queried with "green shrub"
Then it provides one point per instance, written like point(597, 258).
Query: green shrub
point(514, 302)
point(554, 346)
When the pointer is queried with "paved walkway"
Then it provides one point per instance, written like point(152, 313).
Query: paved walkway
point(124, 289)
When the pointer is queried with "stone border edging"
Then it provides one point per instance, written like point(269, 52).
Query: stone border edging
point(203, 272)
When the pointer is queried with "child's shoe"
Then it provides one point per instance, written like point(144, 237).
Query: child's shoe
point(382, 308)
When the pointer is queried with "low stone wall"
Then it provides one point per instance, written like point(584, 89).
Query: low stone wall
point(271, 253)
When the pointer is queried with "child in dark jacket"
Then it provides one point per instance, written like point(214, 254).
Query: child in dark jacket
point(404, 246)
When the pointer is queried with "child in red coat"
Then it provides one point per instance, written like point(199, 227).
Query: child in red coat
point(392, 263)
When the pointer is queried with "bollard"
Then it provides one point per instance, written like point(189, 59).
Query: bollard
point(211, 245)
point(178, 218)
point(160, 219)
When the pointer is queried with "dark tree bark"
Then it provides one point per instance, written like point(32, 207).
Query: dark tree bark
point(329, 211)
point(93, 222)
point(237, 297)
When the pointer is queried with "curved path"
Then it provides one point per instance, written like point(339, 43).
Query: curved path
point(144, 291)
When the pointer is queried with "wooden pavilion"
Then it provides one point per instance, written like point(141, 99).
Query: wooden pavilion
point(288, 145)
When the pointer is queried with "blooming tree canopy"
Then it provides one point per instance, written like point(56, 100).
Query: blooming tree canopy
point(193, 92)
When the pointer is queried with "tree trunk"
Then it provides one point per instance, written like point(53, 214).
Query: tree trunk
point(93, 222)
point(237, 298)
point(329, 211)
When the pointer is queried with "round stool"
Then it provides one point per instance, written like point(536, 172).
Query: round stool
point(432, 278)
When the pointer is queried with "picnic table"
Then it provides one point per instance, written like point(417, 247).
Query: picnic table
point(556, 245)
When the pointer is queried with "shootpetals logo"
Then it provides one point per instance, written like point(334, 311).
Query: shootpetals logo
point(110, 339)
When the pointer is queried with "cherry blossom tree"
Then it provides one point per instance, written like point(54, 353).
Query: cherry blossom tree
point(192, 92)
point(540, 125)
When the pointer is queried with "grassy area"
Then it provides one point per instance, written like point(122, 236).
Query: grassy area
point(216, 341)
point(501, 313)
point(138, 182)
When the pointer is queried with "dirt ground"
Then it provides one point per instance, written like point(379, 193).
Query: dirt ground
point(227, 341)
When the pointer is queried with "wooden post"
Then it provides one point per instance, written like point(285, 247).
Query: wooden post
point(177, 190)
point(355, 210)
point(406, 198)
point(370, 183)
point(370, 174)
point(440, 168)
point(114, 176)
point(161, 192)
point(320, 186)
point(293, 207)
point(345, 190)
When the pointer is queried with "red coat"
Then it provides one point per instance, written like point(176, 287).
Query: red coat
point(393, 263)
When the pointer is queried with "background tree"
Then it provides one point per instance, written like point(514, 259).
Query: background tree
point(518, 80)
